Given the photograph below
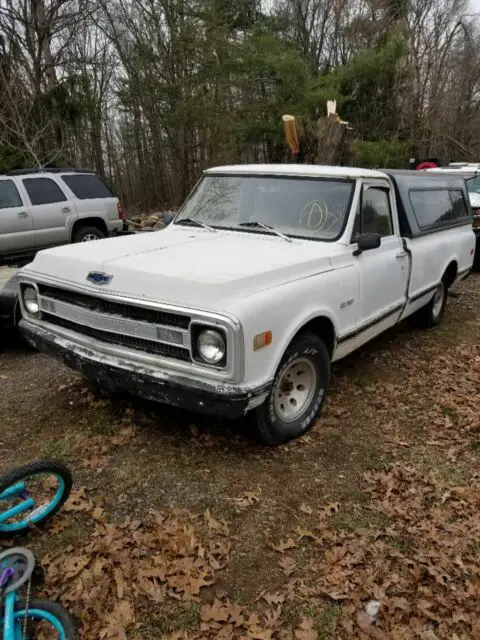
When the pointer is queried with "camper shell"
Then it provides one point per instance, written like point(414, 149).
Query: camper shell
point(432, 187)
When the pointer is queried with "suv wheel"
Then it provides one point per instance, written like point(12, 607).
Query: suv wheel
point(87, 234)
point(298, 392)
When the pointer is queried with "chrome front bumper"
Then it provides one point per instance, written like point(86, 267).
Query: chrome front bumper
point(119, 374)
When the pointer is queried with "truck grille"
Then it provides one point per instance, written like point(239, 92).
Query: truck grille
point(147, 346)
point(151, 331)
point(115, 308)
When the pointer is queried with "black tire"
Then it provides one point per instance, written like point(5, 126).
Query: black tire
point(81, 234)
point(476, 259)
point(55, 609)
point(431, 315)
point(42, 466)
point(272, 429)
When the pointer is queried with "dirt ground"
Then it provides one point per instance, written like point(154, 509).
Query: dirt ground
point(180, 527)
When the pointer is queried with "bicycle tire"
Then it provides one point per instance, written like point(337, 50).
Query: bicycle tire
point(35, 468)
point(54, 609)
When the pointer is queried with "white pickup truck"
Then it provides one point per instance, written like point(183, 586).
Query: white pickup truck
point(267, 275)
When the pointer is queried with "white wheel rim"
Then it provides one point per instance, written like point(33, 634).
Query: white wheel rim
point(438, 300)
point(295, 390)
point(89, 237)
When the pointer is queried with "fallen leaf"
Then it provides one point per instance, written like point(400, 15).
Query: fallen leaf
point(274, 598)
point(272, 618)
point(306, 630)
point(287, 564)
point(96, 462)
point(220, 526)
point(306, 508)
point(78, 501)
point(284, 545)
point(247, 499)
point(218, 612)
point(330, 509)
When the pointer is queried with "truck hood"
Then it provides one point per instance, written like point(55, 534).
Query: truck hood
point(184, 266)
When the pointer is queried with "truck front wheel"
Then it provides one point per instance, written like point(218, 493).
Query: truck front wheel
point(298, 392)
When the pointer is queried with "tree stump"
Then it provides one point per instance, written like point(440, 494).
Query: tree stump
point(324, 142)
point(331, 136)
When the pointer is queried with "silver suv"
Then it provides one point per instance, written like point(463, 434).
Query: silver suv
point(40, 209)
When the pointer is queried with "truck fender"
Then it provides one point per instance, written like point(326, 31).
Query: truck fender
point(297, 324)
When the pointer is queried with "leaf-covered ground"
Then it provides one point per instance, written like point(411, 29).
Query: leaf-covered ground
point(179, 528)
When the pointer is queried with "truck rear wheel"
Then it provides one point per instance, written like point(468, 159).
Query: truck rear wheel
point(432, 313)
point(298, 392)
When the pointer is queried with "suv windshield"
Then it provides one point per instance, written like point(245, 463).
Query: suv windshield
point(300, 207)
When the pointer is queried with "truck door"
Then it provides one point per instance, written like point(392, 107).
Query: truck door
point(16, 227)
point(383, 272)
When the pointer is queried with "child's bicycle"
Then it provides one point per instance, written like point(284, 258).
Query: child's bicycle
point(30, 495)
point(28, 619)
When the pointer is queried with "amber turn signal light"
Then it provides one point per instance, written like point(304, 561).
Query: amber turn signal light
point(262, 340)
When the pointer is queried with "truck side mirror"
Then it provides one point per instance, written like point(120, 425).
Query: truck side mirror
point(167, 219)
point(366, 242)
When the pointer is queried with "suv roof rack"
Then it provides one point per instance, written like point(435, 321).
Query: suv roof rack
point(22, 172)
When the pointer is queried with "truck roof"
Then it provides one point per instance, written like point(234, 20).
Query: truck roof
point(306, 170)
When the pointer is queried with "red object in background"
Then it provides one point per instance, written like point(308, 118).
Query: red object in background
point(121, 211)
point(426, 165)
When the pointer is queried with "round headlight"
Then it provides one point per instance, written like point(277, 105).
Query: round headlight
point(30, 300)
point(211, 346)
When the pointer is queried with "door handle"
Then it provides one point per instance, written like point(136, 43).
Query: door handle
point(23, 214)
point(402, 254)
point(66, 210)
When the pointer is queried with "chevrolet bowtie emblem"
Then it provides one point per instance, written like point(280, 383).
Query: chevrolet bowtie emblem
point(98, 277)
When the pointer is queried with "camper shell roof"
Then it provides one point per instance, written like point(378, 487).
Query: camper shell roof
point(407, 181)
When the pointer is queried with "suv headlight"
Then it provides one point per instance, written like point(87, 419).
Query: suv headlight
point(30, 300)
point(211, 347)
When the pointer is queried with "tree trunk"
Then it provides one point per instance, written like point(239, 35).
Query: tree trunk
point(331, 133)
point(44, 43)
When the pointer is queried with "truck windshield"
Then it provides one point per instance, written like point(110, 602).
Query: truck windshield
point(299, 207)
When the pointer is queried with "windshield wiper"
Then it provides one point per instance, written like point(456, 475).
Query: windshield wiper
point(194, 223)
point(267, 227)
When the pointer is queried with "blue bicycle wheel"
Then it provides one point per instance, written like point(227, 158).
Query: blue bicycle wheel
point(43, 619)
point(32, 494)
